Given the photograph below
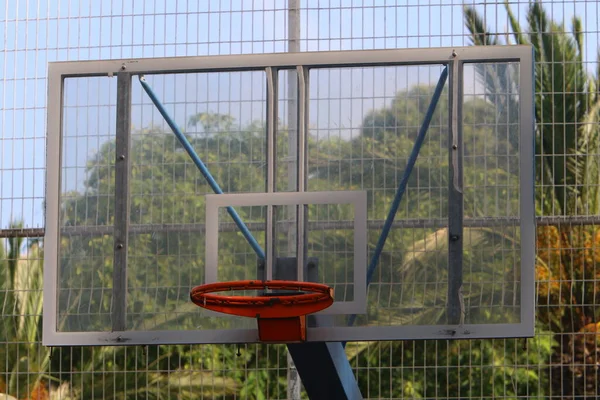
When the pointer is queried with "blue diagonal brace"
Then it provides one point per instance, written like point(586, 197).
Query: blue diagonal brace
point(412, 159)
point(202, 167)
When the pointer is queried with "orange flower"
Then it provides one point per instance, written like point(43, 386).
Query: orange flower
point(39, 392)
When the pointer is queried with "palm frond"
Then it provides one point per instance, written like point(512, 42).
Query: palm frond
point(588, 170)
point(165, 321)
point(563, 97)
point(355, 349)
point(496, 78)
point(14, 250)
point(28, 293)
point(187, 385)
point(597, 83)
point(578, 35)
point(425, 262)
point(520, 38)
point(24, 300)
point(479, 34)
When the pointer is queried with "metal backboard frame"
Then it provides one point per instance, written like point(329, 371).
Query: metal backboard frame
point(453, 58)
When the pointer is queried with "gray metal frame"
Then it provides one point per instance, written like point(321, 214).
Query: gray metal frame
point(303, 62)
point(456, 311)
point(122, 203)
point(358, 199)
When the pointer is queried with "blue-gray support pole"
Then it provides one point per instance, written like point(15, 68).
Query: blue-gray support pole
point(202, 167)
point(325, 370)
point(412, 159)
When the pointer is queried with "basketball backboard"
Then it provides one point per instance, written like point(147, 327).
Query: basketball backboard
point(401, 178)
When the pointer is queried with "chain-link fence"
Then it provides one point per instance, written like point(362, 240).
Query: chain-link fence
point(561, 361)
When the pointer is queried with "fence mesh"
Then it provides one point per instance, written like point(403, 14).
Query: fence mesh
point(561, 361)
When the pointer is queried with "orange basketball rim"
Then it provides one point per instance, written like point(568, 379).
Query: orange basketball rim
point(281, 316)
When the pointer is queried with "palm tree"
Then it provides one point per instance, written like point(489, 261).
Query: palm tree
point(567, 147)
point(567, 108)
point(21, 297)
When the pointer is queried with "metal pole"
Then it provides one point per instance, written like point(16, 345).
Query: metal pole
point(121, 226)
point(292, 117)
point(294, 383)
point(456, 307)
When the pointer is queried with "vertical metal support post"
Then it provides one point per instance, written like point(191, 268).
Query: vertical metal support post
point(121, 232)
point(456, 310)
point(301, 222)
point(527, 190)
point(292, 116)
point(314, 363)
point(271, 167)
point(294, 383)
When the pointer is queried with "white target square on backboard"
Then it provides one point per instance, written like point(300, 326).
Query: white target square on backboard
point(355, 302)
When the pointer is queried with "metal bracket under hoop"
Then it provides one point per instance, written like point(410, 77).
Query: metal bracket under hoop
point(317, 362)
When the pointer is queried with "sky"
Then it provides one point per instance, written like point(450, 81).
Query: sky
point(40, 31)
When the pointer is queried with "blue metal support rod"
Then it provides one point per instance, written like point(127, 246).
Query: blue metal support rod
point(202, 167)
point(387, 226)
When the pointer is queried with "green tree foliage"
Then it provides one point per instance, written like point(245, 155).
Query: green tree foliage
point(152, 372)
point(21, 299)
point(567, 147)
point(443, 369)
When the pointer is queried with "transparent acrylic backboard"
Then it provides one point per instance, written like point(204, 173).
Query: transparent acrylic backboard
point(403, 179)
